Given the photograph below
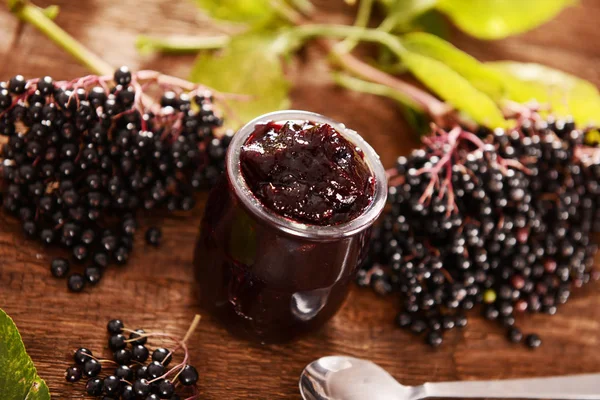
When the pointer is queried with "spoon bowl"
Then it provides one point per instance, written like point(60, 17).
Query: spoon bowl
point(349, 378)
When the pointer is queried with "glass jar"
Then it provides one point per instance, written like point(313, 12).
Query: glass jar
point(269, 278)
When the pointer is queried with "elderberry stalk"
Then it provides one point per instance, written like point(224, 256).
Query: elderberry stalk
point(500, 219)
point(80, 159)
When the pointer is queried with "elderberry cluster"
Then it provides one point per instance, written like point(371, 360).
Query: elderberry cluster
point(498, 219)
point(138, 373)
point(80, 159)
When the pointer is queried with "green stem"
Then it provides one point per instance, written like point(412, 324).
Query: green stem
point(359, 85)
point(403, 16)
point(362, 20)
point(36, 17)
point(180, 44)
point(306, 32)
point(434, 107)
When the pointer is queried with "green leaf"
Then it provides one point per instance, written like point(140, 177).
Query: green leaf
point(483, 78)
point(402, 12)
point(249, 65)
point(244, 11)
point(566, 94)
point(497, 19)
point(18, 377)
point(452, 87)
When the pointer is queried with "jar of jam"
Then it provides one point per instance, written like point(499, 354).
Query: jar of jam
point(287, 225)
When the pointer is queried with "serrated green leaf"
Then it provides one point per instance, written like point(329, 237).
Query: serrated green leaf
point(566, 94)
point(249, 65)
point(497, 19)
point(244, 11)
point(455, 89)
point(18, 377)
point(483, 78)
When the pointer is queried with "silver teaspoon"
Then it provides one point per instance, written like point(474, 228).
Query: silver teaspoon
point(348, 378)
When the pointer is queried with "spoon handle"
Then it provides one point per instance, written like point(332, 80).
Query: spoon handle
point(576, 387)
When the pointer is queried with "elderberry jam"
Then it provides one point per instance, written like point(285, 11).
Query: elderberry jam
point(287, 225)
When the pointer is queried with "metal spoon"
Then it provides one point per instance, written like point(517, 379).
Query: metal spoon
point(348, 378)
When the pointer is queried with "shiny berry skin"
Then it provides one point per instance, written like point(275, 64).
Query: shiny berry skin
point(434, 339)
point(94, 387)
point(122, 76)
point(162, 356)
point(515, 335)
point(122, 356)
point(124, 372)
point(533, 341)
point(153, 396)
point(82, 355)
point(112, 385)
point(128, 393)
point(92, 274)
point(46, 86)
point(59, 267)
point(115, 326)
point(141, 387)
point(140, 353)
point(153, 236)
point(155, 369)
point(141, 372)
point(92, 368)
point(100, 259)
point(76, 283)
point(17, 84)
point(73, 374)
point(137, 335)
point(121, 255)
point(188, 376)
point(117, 342)
point(166, 389)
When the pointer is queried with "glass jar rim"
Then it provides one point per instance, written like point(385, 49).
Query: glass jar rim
point(289, 226)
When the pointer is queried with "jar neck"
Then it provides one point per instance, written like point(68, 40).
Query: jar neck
point(309, 232)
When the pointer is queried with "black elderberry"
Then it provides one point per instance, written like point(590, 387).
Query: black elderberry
point(115, 326)
point(112, 386)
point(76, 283)
point(155, 369)
point(92, 368)
point(188, 376)
point(59, 267)
point(140, 353)
point(142, 372)
point(128, 393)
point(515, 335)
point(166, 389)
point(17, 84)
point(122, 76)
point(533, 341)
point(100, 259)
point(73, 374)
point(117, 342)
point(94, 386)
point(434, 339)
point(141, 387)
point(121, 255)
point(45, 86)
point(153, 236)
point(80, 253)
point(122, 356)
point(124, 372)
point(162, 356)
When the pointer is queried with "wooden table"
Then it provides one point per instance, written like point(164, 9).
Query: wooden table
point(156, 290)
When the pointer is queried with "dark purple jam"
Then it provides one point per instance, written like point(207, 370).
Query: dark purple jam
point(307, 172)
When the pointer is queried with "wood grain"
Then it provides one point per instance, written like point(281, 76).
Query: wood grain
point(156, 290)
